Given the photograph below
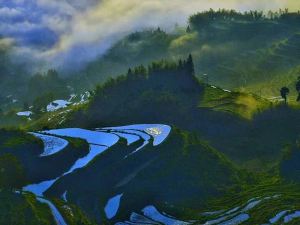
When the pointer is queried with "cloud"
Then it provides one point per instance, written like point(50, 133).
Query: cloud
point(6, 43)
point(6, 12)
point(110, 20)
point(87, 28)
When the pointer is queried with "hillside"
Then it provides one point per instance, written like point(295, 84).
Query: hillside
point(242, 104)
point(137, 171)
point(232, 50)
point(229, 121)
point(190, 148)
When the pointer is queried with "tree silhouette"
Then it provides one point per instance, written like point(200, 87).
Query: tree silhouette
point(129, 73)
point(284, 91)
point(298, 89)
point(190, 65)
point(25, 106)
point(188, 29)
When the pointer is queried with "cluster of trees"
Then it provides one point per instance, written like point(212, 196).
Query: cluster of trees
point(50, 81)
point(151, 32)
point(164, 66)
point(202, 19)
point(44, 88)
point(166, 72)
point(284, 91)
point(155, 89)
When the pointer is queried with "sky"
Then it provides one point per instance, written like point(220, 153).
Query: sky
point(49, 33)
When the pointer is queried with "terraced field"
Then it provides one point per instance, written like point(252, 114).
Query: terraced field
point(99, 141)
point(115, 203)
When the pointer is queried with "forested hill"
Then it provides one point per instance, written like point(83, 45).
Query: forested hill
point(251, 50)
point(170, 93)
point(247, 51)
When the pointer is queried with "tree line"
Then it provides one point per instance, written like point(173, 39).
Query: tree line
point(202, 19)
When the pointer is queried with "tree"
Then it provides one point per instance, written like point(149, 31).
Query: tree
point(298, 89)
point(25, 106)
point(11, 172)
point(188, 29)
point(284, 91)
point(41, 102)
point(129, 73)
point(180, 64)
point(190, 65)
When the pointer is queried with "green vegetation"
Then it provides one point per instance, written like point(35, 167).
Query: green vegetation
point(72, 213)
point(16, 209)
point(289, 166)
point(242, 104)
point(23, 150)
point(11, 173)
point(168, 93)
point(20, 165)
point(288, 199)
point(251, 51)
point(284, 91)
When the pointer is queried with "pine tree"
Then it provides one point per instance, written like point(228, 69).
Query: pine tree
point(180, 64)
point(190, 65)
point(129, 73)
point(188, 29)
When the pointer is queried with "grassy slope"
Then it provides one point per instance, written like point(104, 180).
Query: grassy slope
point(51, 120)
point(242, 104)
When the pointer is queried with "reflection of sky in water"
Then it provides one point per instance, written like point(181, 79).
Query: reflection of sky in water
point(52, 144)
point(112, 206)
point(99, 141)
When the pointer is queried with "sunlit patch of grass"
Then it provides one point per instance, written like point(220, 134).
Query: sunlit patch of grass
point(183, 41)
point(241, 104)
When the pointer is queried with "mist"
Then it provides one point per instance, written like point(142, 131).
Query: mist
point(68, 34)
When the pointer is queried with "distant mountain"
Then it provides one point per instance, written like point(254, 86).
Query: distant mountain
point(231, 50)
